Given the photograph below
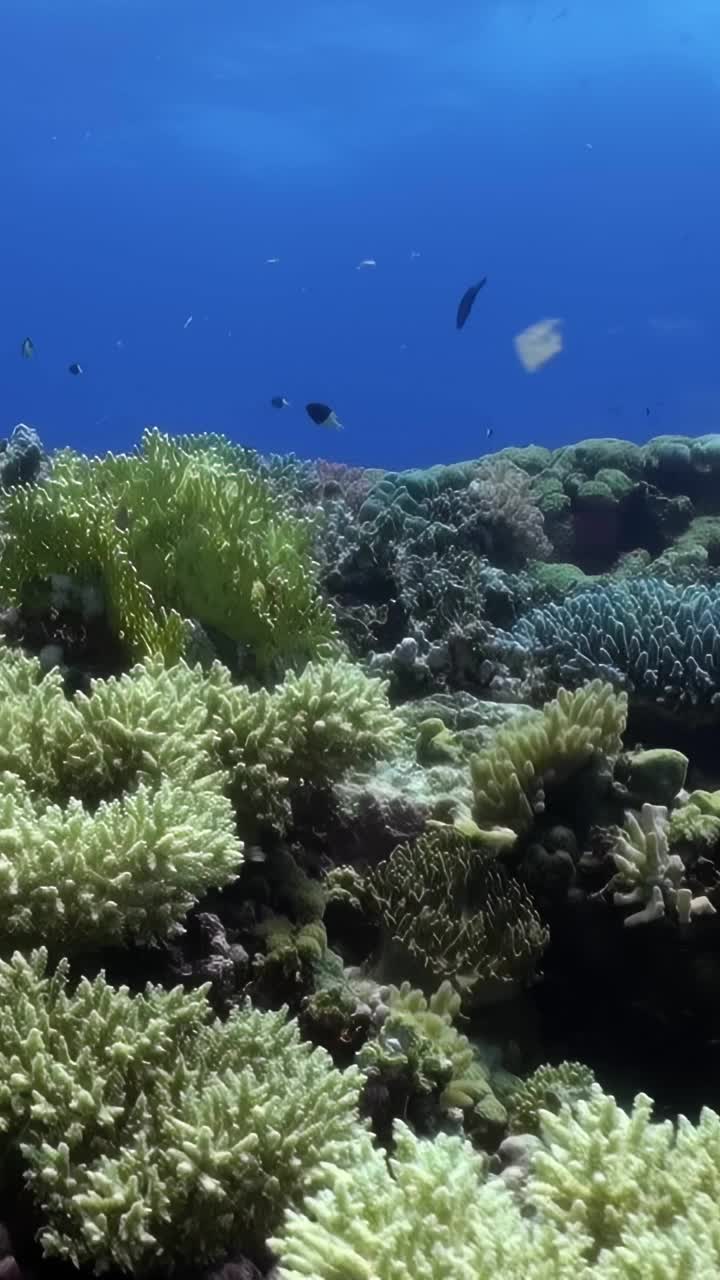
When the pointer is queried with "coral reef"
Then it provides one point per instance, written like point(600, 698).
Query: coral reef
point(359, 845)
point(148, 1130)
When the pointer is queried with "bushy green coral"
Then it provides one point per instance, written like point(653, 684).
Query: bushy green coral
point(429, 1212)
point(546, 1090)
point(131, 868)
point(332, 716)
point(152, 1135)
point(449, 910)
point(572, 731)
point(612, 1197)
point(120, 807)
point(184, 722)
point(173, 533)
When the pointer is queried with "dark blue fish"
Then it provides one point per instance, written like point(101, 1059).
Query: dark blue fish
point(467, 300)
point(323, 415)
point(280, 402)
point(75, 369)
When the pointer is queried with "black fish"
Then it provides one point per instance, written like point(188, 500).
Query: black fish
point(466, 302)
point(75, 369)
point(27, 348)
point(323, 416)
point(279, 402)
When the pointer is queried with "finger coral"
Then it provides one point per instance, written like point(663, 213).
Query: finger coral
point(151, 1134)
point(509, 777)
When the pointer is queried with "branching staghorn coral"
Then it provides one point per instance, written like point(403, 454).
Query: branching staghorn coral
point(429, 1211)
point(571, 732)
point(648, 874)
point(449, 911)
point(131, 868)
point(152, 1135)
point(333, 716)
point(173, 533)
point(612, 1197)
point(120, 807)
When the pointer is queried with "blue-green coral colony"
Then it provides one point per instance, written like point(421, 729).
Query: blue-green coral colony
point(358, 832)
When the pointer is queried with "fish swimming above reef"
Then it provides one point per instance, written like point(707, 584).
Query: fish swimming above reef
point(27, 348)
point(75, 369)
point(323, 416)
point(280, 402)
point(465, 305)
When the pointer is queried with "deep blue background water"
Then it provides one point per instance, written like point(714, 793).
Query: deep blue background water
point(154, 154)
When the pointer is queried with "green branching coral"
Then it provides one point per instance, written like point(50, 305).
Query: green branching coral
point(151, 1134)
point(183, 722)
point(429, 1212)
point(333, 716)
point(450, 911)
point(572, 731)
point(612, 1197)
point(131, 868)
point(120, 807)
point(173, 533)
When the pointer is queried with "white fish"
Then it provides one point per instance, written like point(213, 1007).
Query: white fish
point(187, 323)
point(366, 262)
point(271, 260)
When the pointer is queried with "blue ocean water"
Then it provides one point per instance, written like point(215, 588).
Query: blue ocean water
point(155, 156)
